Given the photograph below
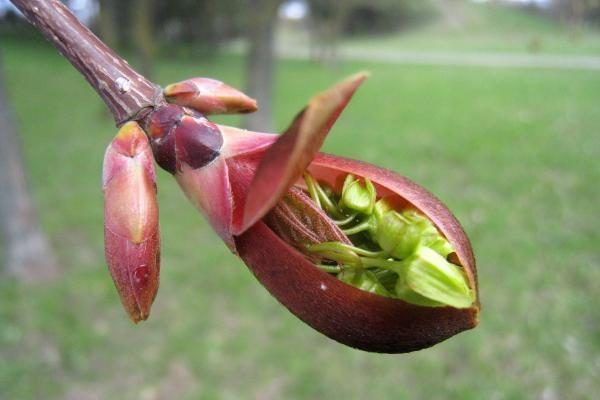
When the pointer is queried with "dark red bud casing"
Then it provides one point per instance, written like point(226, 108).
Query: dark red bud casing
point(181, 135)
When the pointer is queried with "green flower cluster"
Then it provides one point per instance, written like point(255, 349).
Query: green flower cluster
point(398, 254)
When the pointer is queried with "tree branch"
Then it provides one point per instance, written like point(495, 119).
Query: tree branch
point(128, 95)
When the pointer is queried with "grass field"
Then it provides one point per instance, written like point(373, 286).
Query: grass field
point(513, 152)
point(487, 28)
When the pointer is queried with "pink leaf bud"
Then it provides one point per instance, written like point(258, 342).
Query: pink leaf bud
point(131, 231)
point(209, 96)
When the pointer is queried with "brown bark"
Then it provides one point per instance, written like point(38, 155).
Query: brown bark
point(127, 94)
point(261, 62)
point(28, 256)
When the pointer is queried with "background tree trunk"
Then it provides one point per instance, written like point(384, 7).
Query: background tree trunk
point(107, 23)
point(260, 66)
point(27, 254)
point(326, 24)
point(143, 35)
point(206, 39)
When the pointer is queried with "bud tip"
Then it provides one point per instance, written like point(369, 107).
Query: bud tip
point(131, 140)
point(180, 89)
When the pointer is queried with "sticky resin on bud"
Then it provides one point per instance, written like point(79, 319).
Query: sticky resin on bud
point(131, 233)
point(393, 252)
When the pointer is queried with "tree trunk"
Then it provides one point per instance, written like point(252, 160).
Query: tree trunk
point(326, 25)
point(143, 14)
point(205, 40)
point(107, 23)
point(28, 256)
point(260, 62)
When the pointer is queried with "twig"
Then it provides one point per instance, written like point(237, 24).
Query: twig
point(128, 95)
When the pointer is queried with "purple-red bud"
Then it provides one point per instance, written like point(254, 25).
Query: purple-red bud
point(197, 141)
point(180, 135)
point(159, 127)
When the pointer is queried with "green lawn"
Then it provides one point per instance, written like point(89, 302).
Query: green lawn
point(513, 152)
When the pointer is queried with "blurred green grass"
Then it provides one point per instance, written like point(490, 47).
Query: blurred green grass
point(513, 152)
point(487, 28)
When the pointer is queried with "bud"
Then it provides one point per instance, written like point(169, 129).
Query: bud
point(160, 127)
point(209, 96)
point(131, 232)
point(197, 141)
point(357, 197)
point(385, 315)
point(400, 234)
point(396, 235)
point(429, 275)
point(430, 237)
point(248, 190)
point(178, 135)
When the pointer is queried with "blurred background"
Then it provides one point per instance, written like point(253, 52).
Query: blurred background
point(492, 105)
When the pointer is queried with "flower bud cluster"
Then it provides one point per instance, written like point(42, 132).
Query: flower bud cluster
point(404, 244)
point(397, 254)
